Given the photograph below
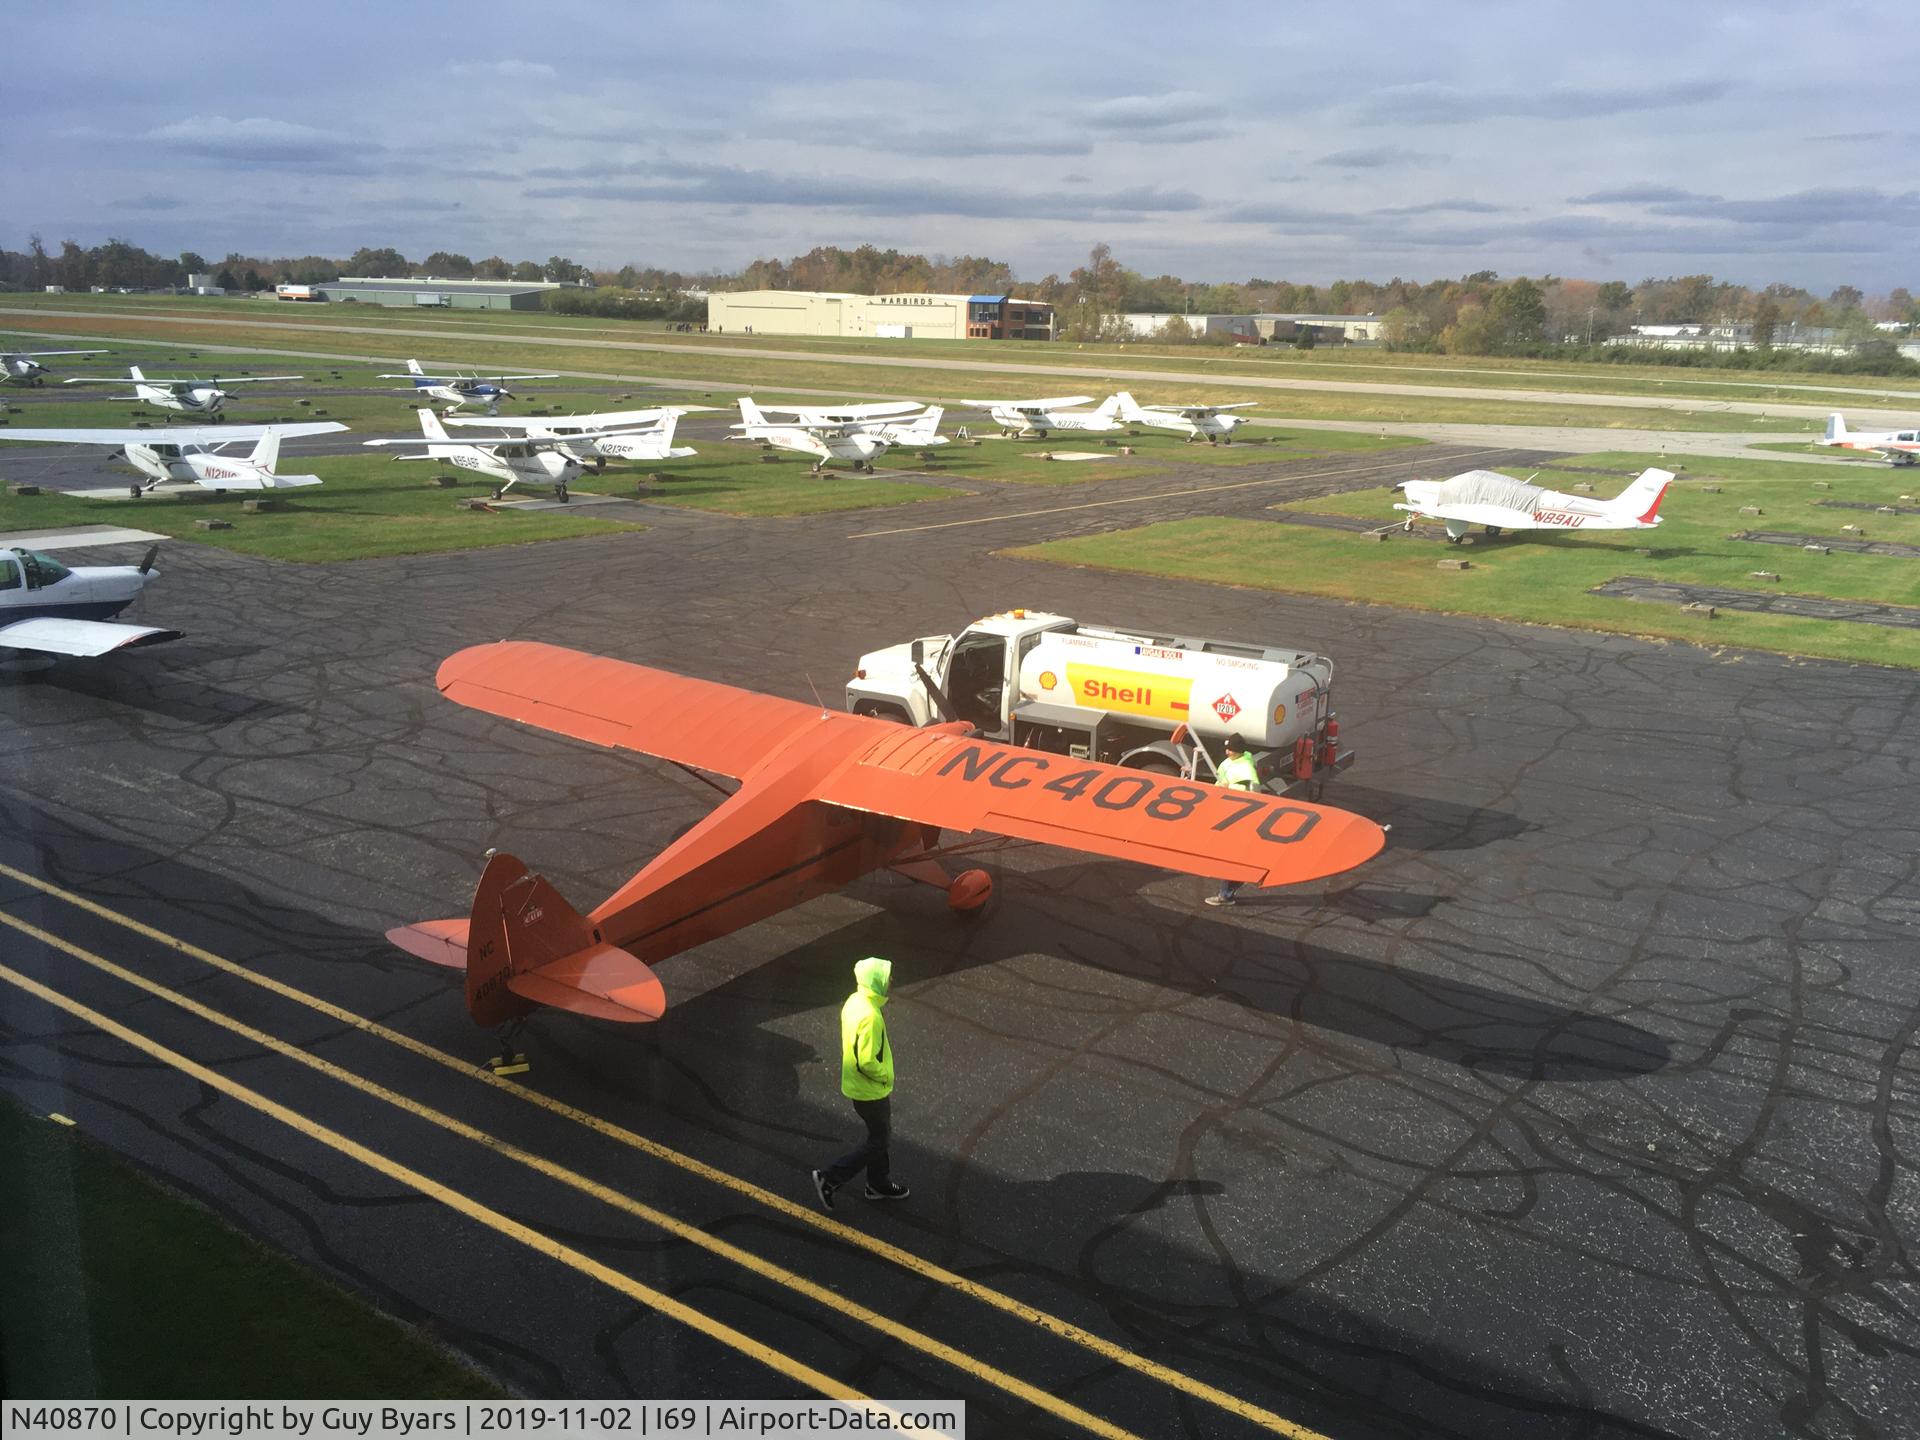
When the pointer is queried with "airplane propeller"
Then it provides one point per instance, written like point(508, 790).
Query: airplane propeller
point(153, 553)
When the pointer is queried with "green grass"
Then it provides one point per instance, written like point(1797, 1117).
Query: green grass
point(541, 342)
point(117, 1289)
point(1543, 578)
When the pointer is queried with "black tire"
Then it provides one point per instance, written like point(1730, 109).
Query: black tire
point(1154, 765)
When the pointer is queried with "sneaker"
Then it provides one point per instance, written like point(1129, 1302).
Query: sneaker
point(1221, 900)
point(824, 1188)
point(894, 1191)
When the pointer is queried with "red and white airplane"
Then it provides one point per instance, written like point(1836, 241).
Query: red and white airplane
point(1896, 447)
point(1500, 502)
point(823, 798)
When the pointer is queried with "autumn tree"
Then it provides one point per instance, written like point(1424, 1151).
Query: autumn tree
point(1766, 319)
point(448, 265)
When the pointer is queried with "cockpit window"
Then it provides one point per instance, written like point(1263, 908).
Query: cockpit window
point(43, 570)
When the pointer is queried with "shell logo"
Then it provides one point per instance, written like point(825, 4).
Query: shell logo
point(1280, 713)
point(1048, 679)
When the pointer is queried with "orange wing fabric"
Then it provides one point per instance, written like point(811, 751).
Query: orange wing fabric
point(1154, 819)
point(716, 728)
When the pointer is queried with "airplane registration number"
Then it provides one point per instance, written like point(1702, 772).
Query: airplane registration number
point(1130, 790)
point(1559, 517)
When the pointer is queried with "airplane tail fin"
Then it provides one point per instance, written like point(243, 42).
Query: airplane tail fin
point(266, 454)
point(1641, 500)
point(133, 373)
point(430, 425)
point(927, 424)
point(750, 413)
point(1110, 408)
point(1129, 407)
point(420, 381)
point(667, 423)
point(526, 946)
point(1836, 427)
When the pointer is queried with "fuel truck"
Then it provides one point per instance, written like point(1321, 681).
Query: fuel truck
point(1165, 703)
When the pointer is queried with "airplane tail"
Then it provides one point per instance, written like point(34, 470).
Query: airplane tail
point(266, 454)
point(925, 426)
point(430, 425)
point(420, 380)
point(750, 413)
point(1110, 407)
point(133, 373)
point(665, 433)
point(1129, 407)
point(1836, 427)
point(1640, 501)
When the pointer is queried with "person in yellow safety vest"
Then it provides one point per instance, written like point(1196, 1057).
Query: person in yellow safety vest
point(866, 1078)
point(1238, 771)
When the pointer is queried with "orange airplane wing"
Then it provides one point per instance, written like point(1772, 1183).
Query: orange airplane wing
point(717, 728)
point(926, 776)
point(1201, 829)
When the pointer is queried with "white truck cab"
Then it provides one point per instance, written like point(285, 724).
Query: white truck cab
point(1152, 701)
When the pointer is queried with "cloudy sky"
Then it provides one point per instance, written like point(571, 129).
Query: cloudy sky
point(1758, 141)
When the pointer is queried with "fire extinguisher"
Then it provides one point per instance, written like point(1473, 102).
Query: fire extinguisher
point(1303, 757)
point(1330, 744)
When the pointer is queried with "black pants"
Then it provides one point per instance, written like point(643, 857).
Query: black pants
point(870, 1152)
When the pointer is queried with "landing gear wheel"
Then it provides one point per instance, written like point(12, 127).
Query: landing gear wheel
point(1493, 532)
point(498, 493)
point(135, 491)
point(1455, 539)
point(969, 893)
point(561, 491)
point(509, 1061)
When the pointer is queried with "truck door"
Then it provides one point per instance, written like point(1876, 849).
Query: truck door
point(977, 682)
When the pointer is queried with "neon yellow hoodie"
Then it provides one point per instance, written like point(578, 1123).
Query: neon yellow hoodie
point(866, 1060)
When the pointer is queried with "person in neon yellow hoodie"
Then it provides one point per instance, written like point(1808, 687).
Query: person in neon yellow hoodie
point(866, 1078)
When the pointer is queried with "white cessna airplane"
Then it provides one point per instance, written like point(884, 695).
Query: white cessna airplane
point(614, 435)
point(23, 367)
point(920, 425)
point(1038, 417)
point(458, 390)
point(47, 609)
point(195, 456)
point(1196, 422)
point(201, 396)
point(1499, 502)
point(511, 460)
point(831, 414)
point(1896, 447)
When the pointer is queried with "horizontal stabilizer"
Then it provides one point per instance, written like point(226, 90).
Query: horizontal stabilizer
point(603, 981)
point(443, 942)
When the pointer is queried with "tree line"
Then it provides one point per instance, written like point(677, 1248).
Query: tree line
point(1477, 314)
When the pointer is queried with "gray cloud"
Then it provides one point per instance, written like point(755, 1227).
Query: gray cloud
point(1174, 118)
point(1434, 104)
point(256, 140)
point(1378, 157)
point(150, 202)
point(873, 195)
point(1631, 195)
point(1806, 208)
point(1429, 207)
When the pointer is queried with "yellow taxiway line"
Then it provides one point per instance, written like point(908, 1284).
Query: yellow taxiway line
point(679, 1229)
point(918, 1265)
point(453, 1199)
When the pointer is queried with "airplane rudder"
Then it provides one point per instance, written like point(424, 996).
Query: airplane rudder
point(519, 923)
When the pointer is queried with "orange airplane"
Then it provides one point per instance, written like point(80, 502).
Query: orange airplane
point(823, 799)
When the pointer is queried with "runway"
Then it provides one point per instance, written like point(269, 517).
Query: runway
point(1584, 1110)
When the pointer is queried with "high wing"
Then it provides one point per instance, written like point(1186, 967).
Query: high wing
point(463, 379)
point(1057, 402)
point(1194, 412)
point(931, 777)
point(234, 380)
point(874, 410)
point(43, 354)
point(180, 435)
point(49, 636)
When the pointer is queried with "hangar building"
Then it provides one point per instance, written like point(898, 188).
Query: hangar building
point(885, 317)
point(429, 292)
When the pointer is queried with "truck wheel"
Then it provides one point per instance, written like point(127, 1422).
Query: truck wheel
point(890, 713)
point(1155, 765)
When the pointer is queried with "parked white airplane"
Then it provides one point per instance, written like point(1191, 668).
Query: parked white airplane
point(615, 435)
point(511, 461)
point(23, 367)
point(830, 414)
point(458, 390)
point(1038, 417)
point(826, 443)
point(196, 456)
point(47, 609)
point(921, 426)
point(1499, 502)
point(1896, 447)
point(1196, 422)
point(203, 396)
